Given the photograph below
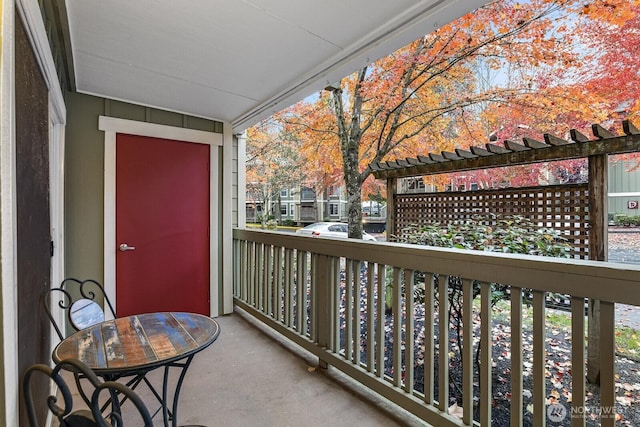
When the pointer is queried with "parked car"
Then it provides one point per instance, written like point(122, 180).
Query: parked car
point(330, 229)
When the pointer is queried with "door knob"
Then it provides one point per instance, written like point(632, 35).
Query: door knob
point(124, 247)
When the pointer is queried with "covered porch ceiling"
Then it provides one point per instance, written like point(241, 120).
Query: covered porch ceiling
point(236, 60)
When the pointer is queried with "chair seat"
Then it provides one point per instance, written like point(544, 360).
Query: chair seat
point(81, 418)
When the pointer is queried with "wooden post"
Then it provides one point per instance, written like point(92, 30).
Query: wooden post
point(321, 304)
point(392, 192)
point(598, 221)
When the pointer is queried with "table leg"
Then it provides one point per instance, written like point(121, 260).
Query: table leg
point(173, 415)
point(115, 408)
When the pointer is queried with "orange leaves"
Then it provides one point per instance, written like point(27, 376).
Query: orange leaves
point(550, 65)
point(616, 12)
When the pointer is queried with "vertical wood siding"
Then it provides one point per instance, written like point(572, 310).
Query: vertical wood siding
point(33, 221)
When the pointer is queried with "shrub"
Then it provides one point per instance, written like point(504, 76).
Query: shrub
point(509, 234)
point(515, 234)
point(626, 220)
point(271, 224)
point(264, 218)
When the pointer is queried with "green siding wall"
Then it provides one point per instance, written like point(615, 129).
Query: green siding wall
point(621, 180)
point(84, 187)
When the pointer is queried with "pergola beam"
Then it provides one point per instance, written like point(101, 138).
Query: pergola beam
point(532, 151)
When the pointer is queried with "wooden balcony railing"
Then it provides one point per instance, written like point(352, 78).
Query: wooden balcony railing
point(354, 305)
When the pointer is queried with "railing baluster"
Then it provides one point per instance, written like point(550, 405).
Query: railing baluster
point(539, 343)
point(261, 287)
point(466, 351)
point(245, 270)
point(443, 343)
point(300, 285)
point(313, 290)
point(334, 307)
point(275, 281)
point(380, 319)
point(266, 292)
point(278, 285)
point(288, 285)
point(357, 298)
point(240, 263)
point(370, 317)
point(429, 351)
point(516, 357)
point(321, 300)
point(578, 371)
point(486, 359)
point(293, 266)
point(272, 281)
point(259, 277)
point(397, 328)
point(607, 364)
point(253, 272)
point(357, 301)
point(235, 274)
point(409, 331)
point(348, 310)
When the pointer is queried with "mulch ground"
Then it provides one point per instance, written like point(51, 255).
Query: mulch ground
point(558, 381)
point(558, 377)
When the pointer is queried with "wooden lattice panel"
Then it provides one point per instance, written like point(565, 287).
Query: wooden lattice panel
point(563, 208)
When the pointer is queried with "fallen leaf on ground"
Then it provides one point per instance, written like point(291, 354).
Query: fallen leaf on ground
point(456, 410)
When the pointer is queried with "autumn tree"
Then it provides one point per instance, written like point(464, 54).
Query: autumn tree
point(615, 64)
point(273, 163)
point(613, 55)
point(426, 96)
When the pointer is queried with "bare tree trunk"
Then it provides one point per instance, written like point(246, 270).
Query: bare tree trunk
point(279, 212)
point(354, 203)
point(350, 134)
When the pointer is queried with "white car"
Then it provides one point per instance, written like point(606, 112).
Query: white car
point(330, 229)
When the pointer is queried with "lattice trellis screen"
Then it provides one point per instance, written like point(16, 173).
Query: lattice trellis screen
point(564, 208)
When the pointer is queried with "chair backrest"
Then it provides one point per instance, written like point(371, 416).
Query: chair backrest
point(80, 300)
point(103, 392)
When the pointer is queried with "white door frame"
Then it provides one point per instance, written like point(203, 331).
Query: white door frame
point(111, 126)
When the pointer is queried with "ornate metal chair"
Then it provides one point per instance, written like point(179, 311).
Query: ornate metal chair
point(110, 393)
point(80, 300)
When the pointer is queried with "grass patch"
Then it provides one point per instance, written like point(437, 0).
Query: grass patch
point(627, 340)
point(627, 343)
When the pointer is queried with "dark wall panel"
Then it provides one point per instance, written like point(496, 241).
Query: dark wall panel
point(33, 222)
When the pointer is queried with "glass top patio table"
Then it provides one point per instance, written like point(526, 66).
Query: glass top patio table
point(137, 344)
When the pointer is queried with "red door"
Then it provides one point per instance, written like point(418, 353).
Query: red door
point(162, 225)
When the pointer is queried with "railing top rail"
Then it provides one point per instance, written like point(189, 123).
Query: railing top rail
point(590, 279)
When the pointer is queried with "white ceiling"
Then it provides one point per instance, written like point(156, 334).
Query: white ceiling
point(237, 60)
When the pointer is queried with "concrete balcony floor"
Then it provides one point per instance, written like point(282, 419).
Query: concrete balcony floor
point(252, 377)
